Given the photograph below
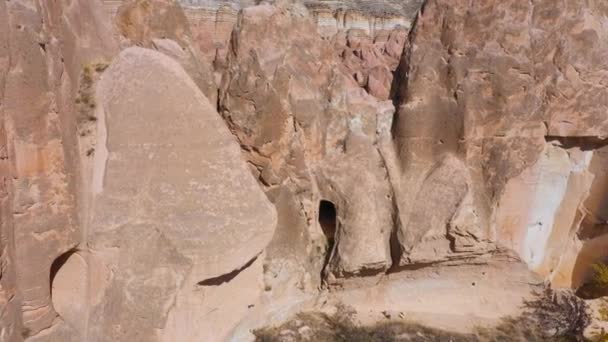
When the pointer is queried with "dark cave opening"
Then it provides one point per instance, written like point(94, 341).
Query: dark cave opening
point(327, 219)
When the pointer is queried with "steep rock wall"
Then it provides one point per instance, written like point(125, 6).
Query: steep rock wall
point(63, 274)
point(478, 138)
point(41, 65)
point(495, 85)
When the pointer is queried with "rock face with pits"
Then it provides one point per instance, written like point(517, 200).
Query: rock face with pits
point(191, 170)
point(310, 131)
point(491, 89)
point(191, 197)
point(43, 47)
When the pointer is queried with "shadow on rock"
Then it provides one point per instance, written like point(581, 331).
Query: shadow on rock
point(552, 316)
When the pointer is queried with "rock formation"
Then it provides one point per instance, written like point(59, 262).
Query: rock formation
point(192, 170)
point(496, 98)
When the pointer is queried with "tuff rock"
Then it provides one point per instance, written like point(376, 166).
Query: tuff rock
point(197, 169)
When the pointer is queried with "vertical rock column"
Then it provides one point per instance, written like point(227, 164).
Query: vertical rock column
point(171, 205)
point(43, 209)
point(10, 310)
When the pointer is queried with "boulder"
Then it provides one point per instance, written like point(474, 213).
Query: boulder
point(171, 204)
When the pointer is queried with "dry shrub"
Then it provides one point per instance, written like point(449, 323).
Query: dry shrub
point(598, 285)
point(560, 315)
point(552, 316)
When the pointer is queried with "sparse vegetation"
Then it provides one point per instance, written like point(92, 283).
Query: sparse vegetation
point(100, 66)
point(600, 278)
point(89, 74)
point(321, 327)
point(85, 104)
point(598, 285)
point(85, 99)
point(552, 316)
point(597, 288)
point(560, 315)
point(602, 336)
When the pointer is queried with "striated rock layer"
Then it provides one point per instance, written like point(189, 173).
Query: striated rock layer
point(44, 46)
point(192, 170)
point(520, 107)
point(119, 200)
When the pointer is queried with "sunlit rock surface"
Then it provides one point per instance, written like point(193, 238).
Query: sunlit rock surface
point(192, 170)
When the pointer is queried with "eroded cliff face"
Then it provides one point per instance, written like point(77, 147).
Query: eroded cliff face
point(193, 170)
point(43, 48)
point(520, 107)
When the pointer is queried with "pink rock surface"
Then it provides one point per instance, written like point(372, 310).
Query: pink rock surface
point(192, 170)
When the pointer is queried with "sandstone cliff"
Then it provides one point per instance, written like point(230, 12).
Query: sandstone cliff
point(193, 170)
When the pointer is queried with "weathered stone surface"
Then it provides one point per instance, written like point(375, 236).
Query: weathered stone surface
point(371, 61)
point(376, 33)
point(43, 51)
point(142, 21)
point(42, 207)
point(69, 287)
point(10, 310)
point(491, 83)
point(212, 23)
point(171, 199)
point(312, 130)
point(542, 227)
point(444, 190)
point(162, 25)
point(128, 212)
point(210, 310)
point(572, 259)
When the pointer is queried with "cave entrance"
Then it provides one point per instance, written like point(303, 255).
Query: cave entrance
point(327, 220)
point(328, 223)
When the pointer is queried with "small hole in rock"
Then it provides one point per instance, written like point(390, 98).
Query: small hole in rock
point(327, 219)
